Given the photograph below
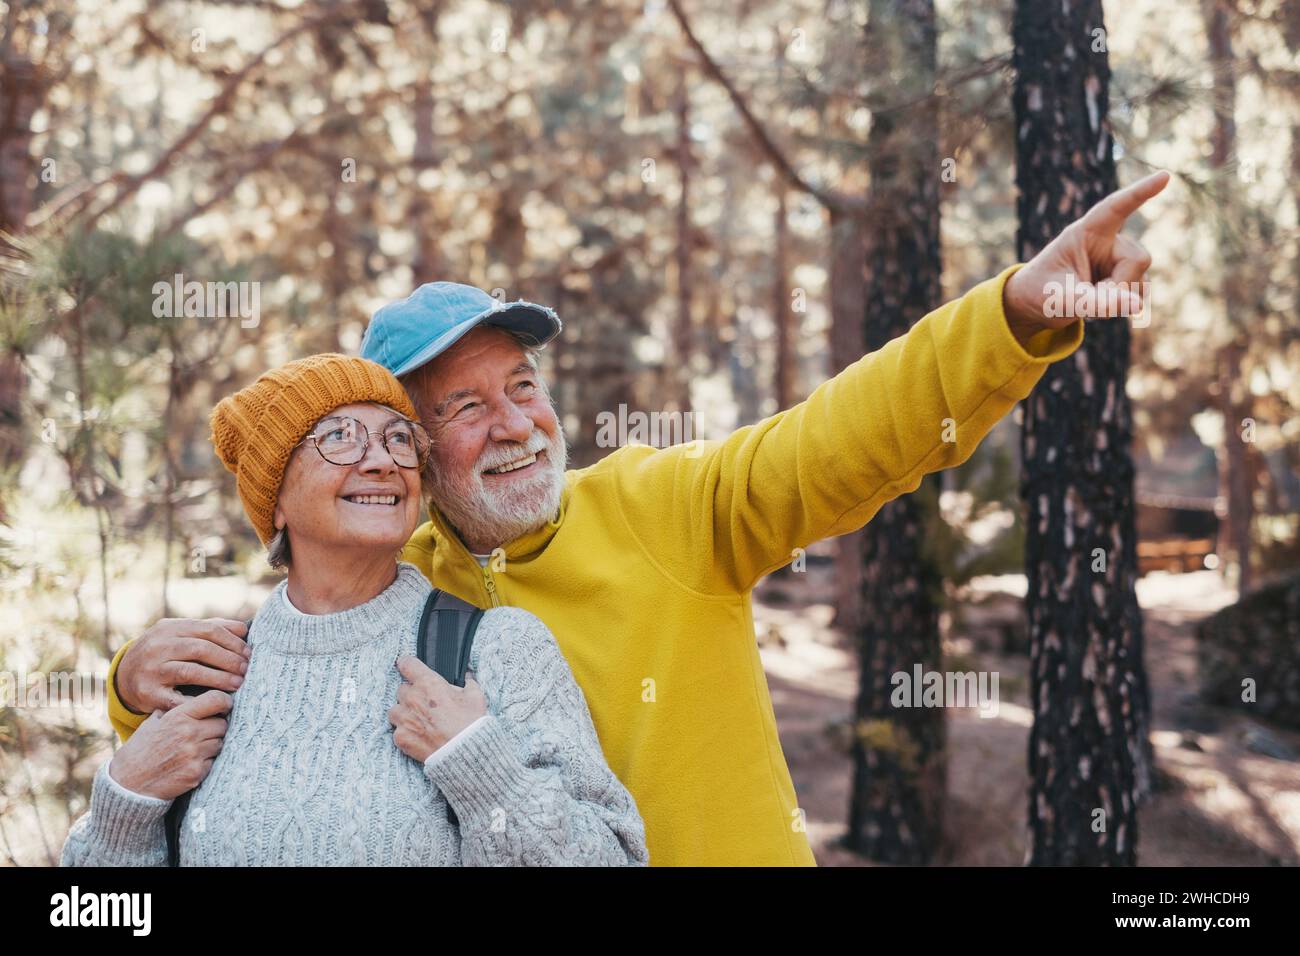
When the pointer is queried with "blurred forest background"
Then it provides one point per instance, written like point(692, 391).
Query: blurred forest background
point(726, 203)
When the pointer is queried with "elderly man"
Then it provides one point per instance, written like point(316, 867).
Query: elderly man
point(642, 564)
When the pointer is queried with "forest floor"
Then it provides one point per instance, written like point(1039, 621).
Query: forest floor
point(1217, 800)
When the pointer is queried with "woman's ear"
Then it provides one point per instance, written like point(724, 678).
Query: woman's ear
point(277, 517)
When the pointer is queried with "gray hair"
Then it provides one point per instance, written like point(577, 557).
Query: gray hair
point(277, 550)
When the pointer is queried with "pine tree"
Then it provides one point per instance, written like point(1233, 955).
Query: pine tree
point(1088, 752)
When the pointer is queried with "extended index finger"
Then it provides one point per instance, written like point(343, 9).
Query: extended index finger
point(1110, 214)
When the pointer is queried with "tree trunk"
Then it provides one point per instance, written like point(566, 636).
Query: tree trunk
point(720, 338)
point(1089, 753)
point(1236, 489)
point(427, 264)
point(783, 315)
point(21, 92)
point(899, 774)
point(847, 290)
point(169, 467)
point(680, 370)
point(783, 322)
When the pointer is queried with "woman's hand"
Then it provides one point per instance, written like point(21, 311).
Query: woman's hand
point(172, 751)
point(430, 710)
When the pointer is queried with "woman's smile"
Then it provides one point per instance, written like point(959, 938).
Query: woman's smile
point(389, 500)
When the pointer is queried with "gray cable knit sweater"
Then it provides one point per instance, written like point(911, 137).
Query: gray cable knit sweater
point(309, 773)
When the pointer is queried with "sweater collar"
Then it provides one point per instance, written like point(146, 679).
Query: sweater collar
point(281, 628)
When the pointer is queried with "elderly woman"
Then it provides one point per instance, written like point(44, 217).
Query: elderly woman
point(340, 747)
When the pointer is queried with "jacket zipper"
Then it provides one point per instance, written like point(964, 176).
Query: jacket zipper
point(490, 586)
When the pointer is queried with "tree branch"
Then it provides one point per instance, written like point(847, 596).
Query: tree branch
point(129, 185)
point(832, 200)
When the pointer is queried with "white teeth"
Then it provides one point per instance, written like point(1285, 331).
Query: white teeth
point(373, 499)
point(513, 466)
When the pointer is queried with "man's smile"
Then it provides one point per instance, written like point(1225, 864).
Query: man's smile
point(519, 467)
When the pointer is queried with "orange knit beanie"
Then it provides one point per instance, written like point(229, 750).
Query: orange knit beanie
point(256, 429)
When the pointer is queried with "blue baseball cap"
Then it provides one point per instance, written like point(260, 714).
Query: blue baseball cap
point(406, 334)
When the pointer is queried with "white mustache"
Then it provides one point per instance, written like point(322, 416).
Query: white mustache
point(494, 459)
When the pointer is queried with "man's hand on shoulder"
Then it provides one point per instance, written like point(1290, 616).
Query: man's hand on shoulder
point(177, 651)
point(1089, 271)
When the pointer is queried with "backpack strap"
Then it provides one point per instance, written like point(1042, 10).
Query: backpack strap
point(176, 812)
point(172, 824)
point(446, 634)
point(443, 642)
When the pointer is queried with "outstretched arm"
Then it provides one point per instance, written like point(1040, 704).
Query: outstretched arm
point(529, 782)
point(718, 515)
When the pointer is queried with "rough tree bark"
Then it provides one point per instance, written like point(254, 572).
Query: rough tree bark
point(899, 769)
point(1089, 754)
point(848, 289)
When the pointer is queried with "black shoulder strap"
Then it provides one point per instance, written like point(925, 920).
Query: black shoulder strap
point(176, 812)
point(446, 635)
point(172, 823)
point(444, 640)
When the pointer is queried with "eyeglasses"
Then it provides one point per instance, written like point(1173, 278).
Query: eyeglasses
point(342, 440)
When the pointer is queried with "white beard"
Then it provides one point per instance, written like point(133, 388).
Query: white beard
point(480, 513)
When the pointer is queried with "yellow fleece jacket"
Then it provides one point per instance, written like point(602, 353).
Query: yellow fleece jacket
point(645, 574)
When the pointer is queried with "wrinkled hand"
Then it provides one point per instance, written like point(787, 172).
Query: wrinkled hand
point(172, 751)
point(430, 710)
point(1090, 269)
point(210, 653)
